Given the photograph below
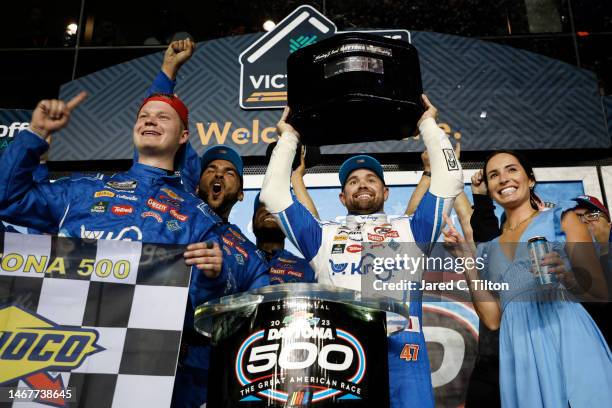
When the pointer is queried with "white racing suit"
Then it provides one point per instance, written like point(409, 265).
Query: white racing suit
point(334, 249)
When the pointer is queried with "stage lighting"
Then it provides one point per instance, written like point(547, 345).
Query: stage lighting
point(71, 29)
point(269, 25)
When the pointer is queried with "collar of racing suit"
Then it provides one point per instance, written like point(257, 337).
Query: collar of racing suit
point(375, 219)
point(141, 171)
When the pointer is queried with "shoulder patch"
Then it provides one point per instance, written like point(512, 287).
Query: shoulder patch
point(206, 210)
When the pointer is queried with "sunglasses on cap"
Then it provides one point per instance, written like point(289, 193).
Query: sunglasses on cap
point(591, 216)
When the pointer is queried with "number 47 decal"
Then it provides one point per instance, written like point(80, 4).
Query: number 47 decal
point(410, 352)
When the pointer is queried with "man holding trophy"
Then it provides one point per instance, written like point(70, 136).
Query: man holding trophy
point(363, 194)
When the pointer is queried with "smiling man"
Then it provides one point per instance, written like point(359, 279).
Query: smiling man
point(328, 245)
point(218, 177)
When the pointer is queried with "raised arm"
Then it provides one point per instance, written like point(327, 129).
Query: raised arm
point(24, 199)
point(484, 223)
point(446, 179)
point(298, 224)
point(299, 187)
point(177, 54)
point(485, 303)
point(462, 205)
point(422, 186)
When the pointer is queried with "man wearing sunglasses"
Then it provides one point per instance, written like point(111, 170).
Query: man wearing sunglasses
point(597, 217)
point(592, 212)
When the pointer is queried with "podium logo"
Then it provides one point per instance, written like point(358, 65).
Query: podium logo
point(31, 346)
point(308, 351)
point(263, 65)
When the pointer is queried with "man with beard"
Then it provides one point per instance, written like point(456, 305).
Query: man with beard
point(363, 193)
point(285, 267)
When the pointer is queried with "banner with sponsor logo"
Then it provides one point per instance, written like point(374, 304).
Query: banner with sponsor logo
point(11, 122)
point(89, 323)
point(495, 96)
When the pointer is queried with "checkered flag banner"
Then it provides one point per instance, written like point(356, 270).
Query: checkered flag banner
point(97, 322)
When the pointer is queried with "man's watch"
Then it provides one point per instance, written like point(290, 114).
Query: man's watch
point(427, 173)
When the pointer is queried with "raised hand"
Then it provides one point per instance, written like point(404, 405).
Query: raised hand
point(51, 115)
point(206, 256)
point(300, 170)
point(425, 160)
point(282, 126)
point(177, 53)
point(430, 110)
point(454, 242)
point(557, 266)
point(478, 184)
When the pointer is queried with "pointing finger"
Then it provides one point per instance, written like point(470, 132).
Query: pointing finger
point(448, 221)
point(426, 101)
point(285, 114)
point(76, 101)
point(458, 149)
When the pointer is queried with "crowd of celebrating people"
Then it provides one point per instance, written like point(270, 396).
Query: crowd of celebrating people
point(551, 352)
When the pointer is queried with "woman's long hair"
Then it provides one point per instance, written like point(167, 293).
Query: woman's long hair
point(534, 200)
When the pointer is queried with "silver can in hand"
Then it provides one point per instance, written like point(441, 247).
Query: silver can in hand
point(538, 247)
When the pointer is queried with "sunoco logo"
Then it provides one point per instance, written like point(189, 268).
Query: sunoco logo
point(263, 66)
point(31, 346)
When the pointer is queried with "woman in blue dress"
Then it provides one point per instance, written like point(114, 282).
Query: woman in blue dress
point(551, 352)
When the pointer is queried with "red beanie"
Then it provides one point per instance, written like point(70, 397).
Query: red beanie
point(173, 101)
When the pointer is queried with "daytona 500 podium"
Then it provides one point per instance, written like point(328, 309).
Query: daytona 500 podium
point(298, 345)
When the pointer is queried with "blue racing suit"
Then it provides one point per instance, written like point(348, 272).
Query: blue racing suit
point(191, 384)
point(334, 249)
point(190, 387)
point(143, 204)
point(288, 268)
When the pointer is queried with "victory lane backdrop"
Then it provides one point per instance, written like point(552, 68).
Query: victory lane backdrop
point(103, 318)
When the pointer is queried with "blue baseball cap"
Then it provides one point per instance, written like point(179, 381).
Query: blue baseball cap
point(360, 162)
point(222, 152)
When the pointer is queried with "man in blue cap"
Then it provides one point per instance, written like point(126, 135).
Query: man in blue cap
point(221, 180)
point(334, 249)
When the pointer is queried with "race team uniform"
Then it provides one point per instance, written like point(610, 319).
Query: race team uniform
point(334, 249)
point(145, 204)
point(191, 384)
point(249, 272)
point(288, 268)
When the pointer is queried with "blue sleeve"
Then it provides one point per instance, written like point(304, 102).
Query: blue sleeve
point(426, 222)
point(190, 168)
point(203, 289)
point(41, 173)
point(257, 273)
point(161, 84)
point(302, 229)
point(23, 200)
point(309, 275)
